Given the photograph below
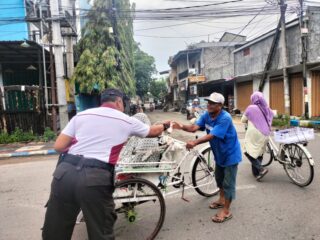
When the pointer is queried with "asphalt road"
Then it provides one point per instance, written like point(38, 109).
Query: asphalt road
point(272, 209)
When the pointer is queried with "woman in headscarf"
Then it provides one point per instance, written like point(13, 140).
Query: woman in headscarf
point(259, 117)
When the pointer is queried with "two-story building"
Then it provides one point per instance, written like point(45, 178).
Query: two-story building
point(204, 68)
point(250, 60)
point(27, 79)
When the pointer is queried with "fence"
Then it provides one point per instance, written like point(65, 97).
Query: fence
point(22, 107)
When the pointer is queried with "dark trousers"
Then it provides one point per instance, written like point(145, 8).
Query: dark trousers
point(255, 164)
point(75, 187)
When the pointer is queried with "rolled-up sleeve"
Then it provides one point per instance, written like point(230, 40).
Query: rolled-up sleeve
point(220, 129)
point(244, 119)
point(70, 128)
point(139, 128)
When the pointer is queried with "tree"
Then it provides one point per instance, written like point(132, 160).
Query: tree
point(106, 56)
point(144, 69)
point(158, 88)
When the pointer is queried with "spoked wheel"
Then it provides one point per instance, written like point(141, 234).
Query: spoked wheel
point(267, 156)
point(203, 174)
point(298, 168)
point(140, 208)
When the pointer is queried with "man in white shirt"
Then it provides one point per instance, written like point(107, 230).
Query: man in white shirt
point(84, 177)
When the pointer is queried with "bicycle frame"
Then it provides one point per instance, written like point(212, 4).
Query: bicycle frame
point(168, 173)
point(276, 152)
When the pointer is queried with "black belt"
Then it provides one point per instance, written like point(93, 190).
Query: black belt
point(87, 162)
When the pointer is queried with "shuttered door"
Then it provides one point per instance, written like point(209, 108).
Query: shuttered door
point(244, 91)
point(277, 95)
point(296, 95)
point(315, 94)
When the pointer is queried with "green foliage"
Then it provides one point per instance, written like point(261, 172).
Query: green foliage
point(281, 121)
point(48, 135)
point(4, 137)
point(106, 58)
point(158, 88)
point(144, 69)
point(19, 136)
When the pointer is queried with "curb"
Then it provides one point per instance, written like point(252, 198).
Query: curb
point(26, 154)
point(304, 123)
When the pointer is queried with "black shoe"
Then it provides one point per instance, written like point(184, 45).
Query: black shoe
point(262, 174)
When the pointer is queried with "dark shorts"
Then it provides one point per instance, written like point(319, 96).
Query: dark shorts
point(226, 179)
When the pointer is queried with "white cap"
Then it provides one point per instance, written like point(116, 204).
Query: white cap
point(216, 97)
point(196, 100)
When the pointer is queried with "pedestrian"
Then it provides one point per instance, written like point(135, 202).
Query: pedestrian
point(223, 139)
point(84, 178)
point(258, 117)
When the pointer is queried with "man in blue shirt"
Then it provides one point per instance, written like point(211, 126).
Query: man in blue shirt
point(223, 139)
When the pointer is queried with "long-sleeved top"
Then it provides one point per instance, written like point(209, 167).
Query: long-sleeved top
point(254, 141)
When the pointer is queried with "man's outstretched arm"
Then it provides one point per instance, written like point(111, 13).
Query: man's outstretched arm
point(187, 128)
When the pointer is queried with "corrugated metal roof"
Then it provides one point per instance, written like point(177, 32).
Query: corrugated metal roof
point(12, 52)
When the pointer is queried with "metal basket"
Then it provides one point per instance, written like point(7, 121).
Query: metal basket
point(294, 135)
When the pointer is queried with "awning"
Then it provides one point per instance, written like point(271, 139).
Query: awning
point(12, 52)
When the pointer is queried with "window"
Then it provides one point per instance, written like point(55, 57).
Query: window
point(246, 51)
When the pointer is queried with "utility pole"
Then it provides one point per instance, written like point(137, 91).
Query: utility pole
point(304, 57)
point(43, 60)
point(283, 8)
point(53, 82)
point(58, 56)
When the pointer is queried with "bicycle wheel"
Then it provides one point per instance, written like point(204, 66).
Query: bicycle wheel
point(203, 174)
point(140, 208)
point(299, 169)
point(267, 156)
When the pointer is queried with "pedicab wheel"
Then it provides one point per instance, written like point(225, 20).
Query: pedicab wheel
point(298, 167)
point(140, 209)
point(203, 174)
point(267, 156)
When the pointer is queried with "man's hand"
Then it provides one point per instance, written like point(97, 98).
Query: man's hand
point(177, 125)
point(167, 122)
point(191, 144)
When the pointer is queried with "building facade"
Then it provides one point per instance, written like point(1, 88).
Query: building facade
point(28, 85)
point(204, 68)
point(250, 60)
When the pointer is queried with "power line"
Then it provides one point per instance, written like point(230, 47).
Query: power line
point(219, 53)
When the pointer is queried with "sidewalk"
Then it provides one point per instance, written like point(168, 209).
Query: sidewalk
point(46, 148)
point(28, 149)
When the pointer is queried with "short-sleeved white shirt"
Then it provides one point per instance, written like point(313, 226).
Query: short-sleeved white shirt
point(101, 132)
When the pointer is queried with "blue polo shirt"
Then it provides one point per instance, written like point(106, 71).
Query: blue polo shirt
point(225, 144)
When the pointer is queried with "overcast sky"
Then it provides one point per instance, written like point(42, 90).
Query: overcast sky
point(167, 40)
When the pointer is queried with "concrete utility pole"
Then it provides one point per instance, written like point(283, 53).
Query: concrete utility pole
point(53, 83)
point(283, 8)
point(58, 56)
point(44, 60)
point(304, 34)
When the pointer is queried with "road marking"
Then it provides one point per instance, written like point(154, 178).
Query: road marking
point(29, 148)
point(245, 187)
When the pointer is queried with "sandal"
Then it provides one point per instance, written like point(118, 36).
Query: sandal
point(216, 205)
point(218, 219)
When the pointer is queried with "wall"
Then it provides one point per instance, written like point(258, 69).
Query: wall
point(218, 62)
point(12, 30)
point(230, 37)
point(255, 61)
point(293, 38)
point(181, 66)
point(314, 34)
